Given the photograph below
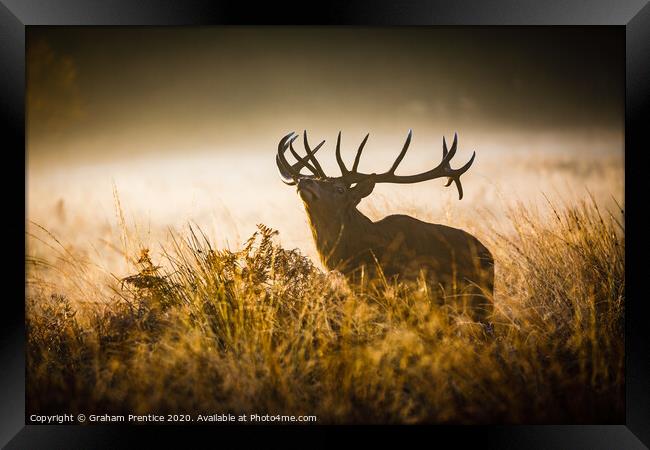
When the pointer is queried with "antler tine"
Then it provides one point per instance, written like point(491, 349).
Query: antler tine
point(339, 160)
point(456, 177)
point(300, 158)
point(358, 156)
point(319, 170)
point(453, 147)
point(455, 173)
point(402, 153)
point(286, 176)
point(446, 157)
point(288, 173)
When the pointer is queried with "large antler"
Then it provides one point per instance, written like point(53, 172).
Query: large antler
point(290, 173)
point(441, 170)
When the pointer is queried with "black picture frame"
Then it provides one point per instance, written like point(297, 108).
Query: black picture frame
point(16, 15)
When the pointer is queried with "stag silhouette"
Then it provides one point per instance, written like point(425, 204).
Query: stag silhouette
point(399, 246)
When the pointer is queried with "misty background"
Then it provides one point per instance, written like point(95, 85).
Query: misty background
point(183, 123)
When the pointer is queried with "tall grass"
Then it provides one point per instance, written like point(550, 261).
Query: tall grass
point(262, 330)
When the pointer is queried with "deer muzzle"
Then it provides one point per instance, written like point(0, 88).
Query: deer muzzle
point(307, 189)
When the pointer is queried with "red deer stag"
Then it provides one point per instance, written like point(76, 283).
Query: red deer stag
point(402, 246)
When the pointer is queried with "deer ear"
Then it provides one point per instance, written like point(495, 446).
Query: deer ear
point(362, 189)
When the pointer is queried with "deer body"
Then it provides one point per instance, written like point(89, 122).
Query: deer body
point(401, 246)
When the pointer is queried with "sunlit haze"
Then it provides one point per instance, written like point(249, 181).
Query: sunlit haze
point(183, 123)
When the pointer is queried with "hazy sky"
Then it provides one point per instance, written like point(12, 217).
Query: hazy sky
point(112, 92)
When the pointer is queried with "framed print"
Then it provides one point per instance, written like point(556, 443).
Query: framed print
point(394, 219)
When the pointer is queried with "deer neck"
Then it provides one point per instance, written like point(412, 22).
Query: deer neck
point(337, 238)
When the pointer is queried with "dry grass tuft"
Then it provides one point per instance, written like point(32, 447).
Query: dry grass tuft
point(262, 330)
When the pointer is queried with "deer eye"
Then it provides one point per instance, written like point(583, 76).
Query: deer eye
point(339, 190)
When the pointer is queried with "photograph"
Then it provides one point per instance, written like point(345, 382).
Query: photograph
point(325, 225)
